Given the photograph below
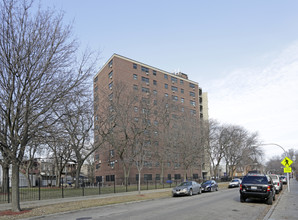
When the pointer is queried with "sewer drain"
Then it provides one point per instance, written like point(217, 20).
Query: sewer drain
point(84, 218)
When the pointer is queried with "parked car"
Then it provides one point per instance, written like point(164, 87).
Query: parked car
point(187, 188)
point(209, 186)
point(234, 183)
point(257, 186)
point(276, 182)
point(284, 179)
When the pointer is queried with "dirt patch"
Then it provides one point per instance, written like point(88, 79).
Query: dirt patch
point(11, 213)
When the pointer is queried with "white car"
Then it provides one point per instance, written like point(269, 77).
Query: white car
point(235, 183)
point(276, 182)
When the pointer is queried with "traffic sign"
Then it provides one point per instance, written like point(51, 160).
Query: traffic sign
point(286, 162)
point(287, 169)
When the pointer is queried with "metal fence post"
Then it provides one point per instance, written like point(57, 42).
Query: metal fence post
point(147, 184)
point(114, 185)
point(99, 187)
point(8, 190)
point(38, 188)
point(61, 183)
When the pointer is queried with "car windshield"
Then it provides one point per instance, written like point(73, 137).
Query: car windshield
point(235, 180)
point(207, 182)
point(273, 177)
point(185, 184)
point(255, 180)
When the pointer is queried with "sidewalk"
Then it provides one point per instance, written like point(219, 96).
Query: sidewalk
point(287, 206)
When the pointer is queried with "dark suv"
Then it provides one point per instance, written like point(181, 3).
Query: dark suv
point(257, 186)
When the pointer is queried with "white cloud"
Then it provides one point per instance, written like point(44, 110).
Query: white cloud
point(261, 99)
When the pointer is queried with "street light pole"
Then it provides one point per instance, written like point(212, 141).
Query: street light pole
point(288, 179)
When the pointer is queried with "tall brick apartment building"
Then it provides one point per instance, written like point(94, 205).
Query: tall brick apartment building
point(144, 79)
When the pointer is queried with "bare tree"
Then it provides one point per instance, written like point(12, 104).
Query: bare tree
point(187, 145)
point(240, 145)
point(37, 57)
point(76, 118)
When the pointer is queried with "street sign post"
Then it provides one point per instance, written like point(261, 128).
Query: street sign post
point(287, 169)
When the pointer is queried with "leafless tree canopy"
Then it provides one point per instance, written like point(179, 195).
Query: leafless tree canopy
point(38, 69)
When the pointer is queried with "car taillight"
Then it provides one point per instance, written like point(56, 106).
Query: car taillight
point(240, 186)
point(278, 184)
point(268, 188)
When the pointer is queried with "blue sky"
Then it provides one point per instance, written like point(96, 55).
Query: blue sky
point(243, 53)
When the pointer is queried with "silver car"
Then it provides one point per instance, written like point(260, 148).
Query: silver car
point(276, 182)
point(235, 183)
point(187, 188)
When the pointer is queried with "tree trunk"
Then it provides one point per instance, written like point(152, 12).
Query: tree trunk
point(139, 183)
point(15, 197)
point(5, 178)
point(78, 174)
point(162, 173)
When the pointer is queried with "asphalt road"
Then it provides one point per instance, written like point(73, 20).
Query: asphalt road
point(221, 205)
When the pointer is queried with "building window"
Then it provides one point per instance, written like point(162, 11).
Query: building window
point(135, 76)
point(181, 82)
point(96, 157)
point(111, 75)
point(195, 176)
point(154, 73)
point(154, 92)
point(136, 109)
point(111, 97)
point(169, 177)
point(147, 177)
point(192, 94)
point(136, 119)
point(95, 79)
point(166, 95)
point(177, 177)
point(135, 87)
point(166, 86)
point(193, 103)
point(144, 79)
point(155, 123)
point(182, 100)
point(182, 109)
point(157, 176)
point(174, 79)
point(154, 82)
point(135, 66)
point(155, 102)
point(175, 98)
point(146, 90)
point(166, 76)
point(112, 153)
point(182, 90)
point(174, 88)
point(191, 85)
point(111, 85)
point(97, 166)
point(145, 69)
point(193, 112)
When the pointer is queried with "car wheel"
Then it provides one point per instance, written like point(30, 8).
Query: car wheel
point(277, 191)
point(173, 194)
point(242, 199)
point(270, 200)
point(200, 191)
point(190, 192)
point(274, 197)
point(216, 188)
